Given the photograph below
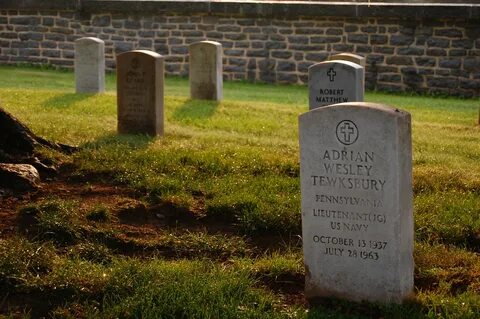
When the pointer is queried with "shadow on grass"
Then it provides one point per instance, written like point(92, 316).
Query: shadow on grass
point(130, 141)
point(339, 308)
point(65, 100)
point(195, 110)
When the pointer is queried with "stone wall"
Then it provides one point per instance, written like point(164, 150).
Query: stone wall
point(424, 51)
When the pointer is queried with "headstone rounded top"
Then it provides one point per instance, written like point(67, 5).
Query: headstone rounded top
point(89, 40)
point(361, 105)
point(217, 44)
point(343, 62)
point(355, 58)
point(152, 54)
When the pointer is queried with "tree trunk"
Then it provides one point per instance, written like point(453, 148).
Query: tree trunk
point(18, 144)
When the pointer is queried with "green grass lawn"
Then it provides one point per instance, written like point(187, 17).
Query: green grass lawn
point(233, 166)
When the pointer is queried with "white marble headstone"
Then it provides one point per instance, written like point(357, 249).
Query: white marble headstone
point(357, 211)
point(89, 65)
point(335, 81)
point(206, 77)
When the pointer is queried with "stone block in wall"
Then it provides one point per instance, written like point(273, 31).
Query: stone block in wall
point(145, 44)
point(351, 28)
point(123, 47)
point(463, 43)
point(471, 64)
point(411, 51)
point(457, 52)
point(369, 29)
point(25, 44)
point(298, 39)
point(257, 44)
point(384, 50)
point(325, 39)
point(237, 61)
point(35, 36)
point(55, 37)
point(438, 42)
point(146, 33)
point(283, 77)
point(51, 53)
point(364, 49)
point(425, 61)
point(229, 44)
point(228, 28)
point(394, 78)
point(234, 52)
point(343, 47)
point(460, 73)
point(334, 31)
point(298, 56)
point(442, 82)
point(275, 45)
point(378, 39)
point(436, 52)
point(401, 39)
point(67, 54)
point(358, 38)
point(29, 52)
point(285, 66)
point(303, 66)
point(25, 20)
point(234, 68)
point(305, 47)
point(285, 31)
point(451, 63)
point(281, 54)
point(258, 53)
point(448, 32)
point(387, 69)
point(373, 59)
point(132, 24)
point(235, 36)
point(412, 77)
point(214, 35)
point(470, 84)
point(399, 60)
point(62, 30)
point(317, 57)
point(179, 49)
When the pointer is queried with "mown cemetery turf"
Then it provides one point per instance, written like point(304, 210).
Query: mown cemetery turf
point(204, 222)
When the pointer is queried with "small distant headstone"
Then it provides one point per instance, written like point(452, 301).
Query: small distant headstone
point(89, 65)
point(357, 210)
point(336, 81)
point(358, 59)
point(140, 82)
point(206, 78)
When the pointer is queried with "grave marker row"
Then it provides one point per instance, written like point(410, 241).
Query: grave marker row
point(356, 172)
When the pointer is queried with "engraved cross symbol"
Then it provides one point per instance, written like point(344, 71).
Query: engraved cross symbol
point(331, 73)
point(347, 130)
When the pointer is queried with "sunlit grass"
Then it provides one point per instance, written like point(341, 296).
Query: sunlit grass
point(237, 162)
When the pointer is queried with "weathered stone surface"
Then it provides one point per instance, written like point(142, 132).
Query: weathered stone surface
point(90, 65)
point(335, 81)
point(357, 202)
point(140, 90)
point(355, 58)
point(19, 177)
point(206, 75)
